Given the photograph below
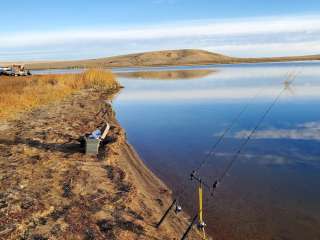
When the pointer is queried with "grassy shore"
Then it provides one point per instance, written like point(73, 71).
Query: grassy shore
point(51, 190)
point(18, 94)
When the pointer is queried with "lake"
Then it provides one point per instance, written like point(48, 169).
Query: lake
point(173, 116)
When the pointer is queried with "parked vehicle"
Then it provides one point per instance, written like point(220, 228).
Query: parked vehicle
point(15, 70)
point(3, 69)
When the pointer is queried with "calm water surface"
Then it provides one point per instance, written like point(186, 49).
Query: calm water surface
point(273, 190)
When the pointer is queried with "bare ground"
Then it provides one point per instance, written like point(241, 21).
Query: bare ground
point(51, 190)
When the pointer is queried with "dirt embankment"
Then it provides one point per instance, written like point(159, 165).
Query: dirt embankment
point(51, 190)
point(181, 57)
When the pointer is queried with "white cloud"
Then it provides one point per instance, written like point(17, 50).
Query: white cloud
point(276, 49)
point(266, 159)
point(306, 131)
point(291, 158)
point(256, 36)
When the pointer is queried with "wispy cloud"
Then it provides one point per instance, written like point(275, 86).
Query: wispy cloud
point(272, 160)
point(242, 37)
point(306, 131)
point(266, 159)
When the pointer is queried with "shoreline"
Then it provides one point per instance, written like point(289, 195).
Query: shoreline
point(49, 190)
point(173, 65)
point(164, 58)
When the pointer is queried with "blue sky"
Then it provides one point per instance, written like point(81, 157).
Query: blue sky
point(40, 30)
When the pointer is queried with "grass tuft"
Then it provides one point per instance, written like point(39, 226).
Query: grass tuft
point(18, 94)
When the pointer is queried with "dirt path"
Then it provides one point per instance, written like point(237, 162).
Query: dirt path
point(50, 190)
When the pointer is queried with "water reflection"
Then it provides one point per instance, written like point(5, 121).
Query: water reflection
point(225, 83)
point(272, 191)
point(168, 75)
point(303, 131)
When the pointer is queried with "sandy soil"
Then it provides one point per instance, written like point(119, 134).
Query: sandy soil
point(163, 58)
point(51, 190)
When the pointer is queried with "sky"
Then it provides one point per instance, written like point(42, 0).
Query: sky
point(65, 30)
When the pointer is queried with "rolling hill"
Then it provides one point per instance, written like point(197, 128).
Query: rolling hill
point(162, 58)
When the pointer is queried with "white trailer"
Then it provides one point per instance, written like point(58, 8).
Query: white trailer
point(14, 70)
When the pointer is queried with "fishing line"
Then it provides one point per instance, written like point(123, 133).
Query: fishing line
point(211, 153)
point(180, 194)
point(291, 78)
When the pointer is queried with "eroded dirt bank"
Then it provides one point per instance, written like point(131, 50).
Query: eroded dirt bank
point(51, 190)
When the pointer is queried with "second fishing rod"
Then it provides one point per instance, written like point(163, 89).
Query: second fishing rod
point(202, 183)
point(176, 201)
point(201, 224)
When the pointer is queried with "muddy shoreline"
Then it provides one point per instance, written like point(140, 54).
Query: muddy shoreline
point(51, 190)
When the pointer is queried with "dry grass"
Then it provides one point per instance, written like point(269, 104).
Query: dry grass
point(18, 94)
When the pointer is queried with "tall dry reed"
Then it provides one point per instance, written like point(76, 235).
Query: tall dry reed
point(18, 94)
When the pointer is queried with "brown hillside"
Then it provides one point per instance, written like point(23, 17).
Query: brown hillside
point(163, 58)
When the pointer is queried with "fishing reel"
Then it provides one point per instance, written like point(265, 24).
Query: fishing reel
point(191, 175)
point(177, 209)
point(214, 186)
point(201, 225)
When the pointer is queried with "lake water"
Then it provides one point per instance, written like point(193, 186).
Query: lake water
point(173, 116)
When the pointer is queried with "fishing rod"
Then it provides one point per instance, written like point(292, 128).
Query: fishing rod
point(221, 137)
point(211, 153)
point(175, 202)
point(201, 224)
point(193, 175)
point(189, 227)
point(289, 81)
